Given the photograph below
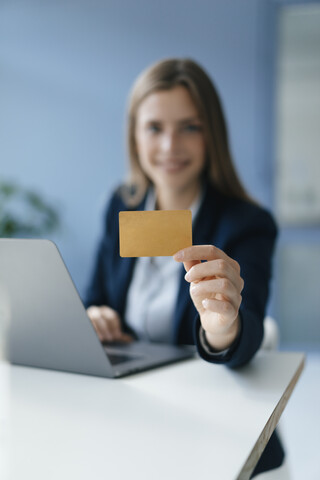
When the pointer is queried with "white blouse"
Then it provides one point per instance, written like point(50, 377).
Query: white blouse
point(153, 290)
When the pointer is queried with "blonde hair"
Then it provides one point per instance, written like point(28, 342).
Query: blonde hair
point(165, 75)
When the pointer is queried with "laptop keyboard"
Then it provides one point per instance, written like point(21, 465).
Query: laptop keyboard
point(116, 358)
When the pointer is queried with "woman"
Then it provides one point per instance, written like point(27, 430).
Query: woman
point(180, 159)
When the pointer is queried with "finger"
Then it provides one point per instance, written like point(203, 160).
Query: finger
point(204, 252)
point(189, 265)
point(116, 333)
point(93, 312)
point(109, 314)
point(102, 329)
point(216, 269)
point(106, 322)
point(108, 325)
point(198, 296)
point(113, 327)
point(94, 315)
point(125, 338)
point(114, 330)
point(224, 312)
point(217, 288)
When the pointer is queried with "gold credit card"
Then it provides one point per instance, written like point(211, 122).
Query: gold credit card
point(158, 233)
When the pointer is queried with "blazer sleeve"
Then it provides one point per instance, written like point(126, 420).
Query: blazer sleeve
point(249, 238)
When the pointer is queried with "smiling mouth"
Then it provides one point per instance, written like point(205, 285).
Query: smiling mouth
point(172, 166)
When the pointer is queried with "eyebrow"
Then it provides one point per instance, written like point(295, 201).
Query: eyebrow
point(182, 121)
point(190, 120)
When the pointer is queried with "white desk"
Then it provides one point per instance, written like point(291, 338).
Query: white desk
point(185, 421)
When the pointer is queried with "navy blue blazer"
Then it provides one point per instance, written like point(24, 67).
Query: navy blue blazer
point(244, 231)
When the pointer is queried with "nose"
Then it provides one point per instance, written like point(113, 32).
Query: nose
point(168, 142)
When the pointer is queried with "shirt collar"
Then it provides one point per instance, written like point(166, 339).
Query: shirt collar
point(150, 203)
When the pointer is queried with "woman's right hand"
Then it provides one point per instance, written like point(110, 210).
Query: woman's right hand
point(107, 324)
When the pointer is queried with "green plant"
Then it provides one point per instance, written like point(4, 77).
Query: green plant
point(23, 212)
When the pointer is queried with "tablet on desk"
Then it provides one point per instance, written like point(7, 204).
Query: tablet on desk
point(48, 326)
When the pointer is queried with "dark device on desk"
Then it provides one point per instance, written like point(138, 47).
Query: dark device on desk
point(47, 325)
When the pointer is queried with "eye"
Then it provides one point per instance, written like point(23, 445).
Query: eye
point(192, 127)
point(154, 128)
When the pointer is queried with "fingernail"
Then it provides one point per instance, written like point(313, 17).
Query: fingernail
point(178, 256)
point(205, 303)
point(194, 288)
point(187, 276)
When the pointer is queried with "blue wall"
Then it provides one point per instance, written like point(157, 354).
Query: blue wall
point(66, 69)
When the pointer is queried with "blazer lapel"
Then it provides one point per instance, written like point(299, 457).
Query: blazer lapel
point(124, 268)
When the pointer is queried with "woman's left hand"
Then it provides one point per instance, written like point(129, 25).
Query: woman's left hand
point(215, 289)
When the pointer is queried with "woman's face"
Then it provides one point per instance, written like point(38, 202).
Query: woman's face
point(170, 140)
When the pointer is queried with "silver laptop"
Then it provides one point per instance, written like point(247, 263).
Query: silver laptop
point(46, 325)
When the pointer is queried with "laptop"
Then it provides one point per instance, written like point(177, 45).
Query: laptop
point(46, 324)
